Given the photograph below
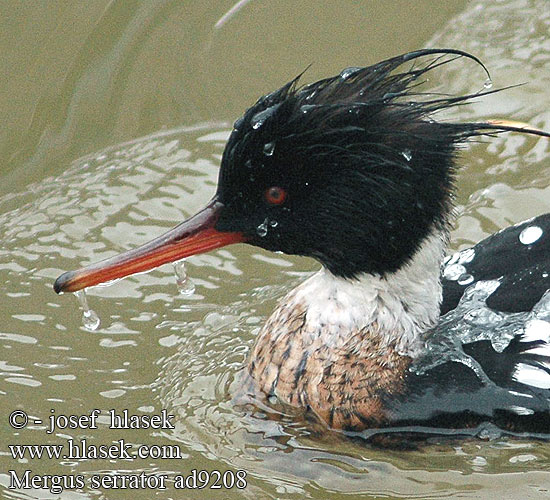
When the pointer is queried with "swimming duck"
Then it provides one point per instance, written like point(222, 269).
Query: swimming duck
point(355, 172)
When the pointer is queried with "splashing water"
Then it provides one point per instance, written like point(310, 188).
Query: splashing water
point(185, 284)
point(90, 319)
point(471, 321)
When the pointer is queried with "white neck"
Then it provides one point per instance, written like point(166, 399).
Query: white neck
point(399, 307)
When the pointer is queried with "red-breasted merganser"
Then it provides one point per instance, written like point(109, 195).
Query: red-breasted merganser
point(354, 171)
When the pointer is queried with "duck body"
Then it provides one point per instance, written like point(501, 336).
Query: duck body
point(339, 370)
point(337, 345)
point(355, 172)
point(328, 346)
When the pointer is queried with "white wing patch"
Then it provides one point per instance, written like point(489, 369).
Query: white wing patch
point(521, 394)
point(537, 329)
point(535, 373)
point(531, 375)
point(521, 410)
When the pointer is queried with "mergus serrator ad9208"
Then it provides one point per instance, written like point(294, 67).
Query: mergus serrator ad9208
point(355, 171)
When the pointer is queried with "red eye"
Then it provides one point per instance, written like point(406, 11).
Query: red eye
point(275, 195)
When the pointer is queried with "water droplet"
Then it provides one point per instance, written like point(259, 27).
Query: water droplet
point(311, 96)
point(185, 285)
point(346, 73)
point(273, 223)
point(530, 234)
point(488, 83)
point(269, 148)
point(454, 271)
point(451, 259)
point(90, 319)
point(260, 118)
point(262, 229)
point(306, 108)
point(466, 256)
point(407, 154)
point(465, 279)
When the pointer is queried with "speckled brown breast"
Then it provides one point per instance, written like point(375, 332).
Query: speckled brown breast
point(343, 383)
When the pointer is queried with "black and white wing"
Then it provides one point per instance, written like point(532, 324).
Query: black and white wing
point(518, 256)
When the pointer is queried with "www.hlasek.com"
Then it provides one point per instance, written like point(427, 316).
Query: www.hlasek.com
point(78, 449)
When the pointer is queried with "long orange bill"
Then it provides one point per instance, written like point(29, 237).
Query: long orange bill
point(195, 235)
